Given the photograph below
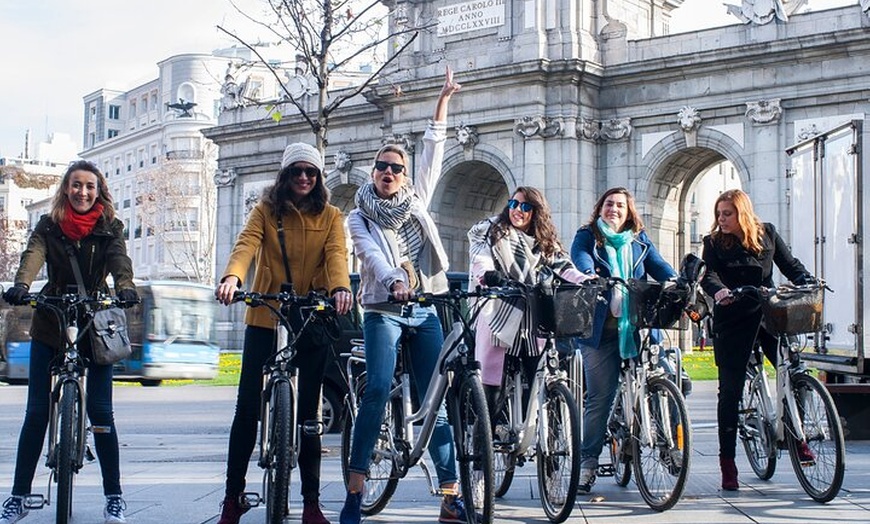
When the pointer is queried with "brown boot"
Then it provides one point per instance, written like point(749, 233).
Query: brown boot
point(231, 511)
point(729, 473)
point(311, 513)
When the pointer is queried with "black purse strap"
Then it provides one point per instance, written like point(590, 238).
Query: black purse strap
point(74, 261)
point(284, 250)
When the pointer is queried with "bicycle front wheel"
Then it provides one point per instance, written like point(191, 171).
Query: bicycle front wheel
point(559, 456)
point(661, 463)
point(619, 439)
point(756, 431)
point(67, 445)
point(819, 462)
point(473, 435)
point(381, 478)
point(280, 451)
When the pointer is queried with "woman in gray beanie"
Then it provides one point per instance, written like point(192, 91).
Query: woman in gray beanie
point(297, 237)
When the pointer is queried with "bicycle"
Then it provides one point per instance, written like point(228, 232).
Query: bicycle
point(802, 416)
point(546, 428)
point(649, 431)
point(67, 420)
point(279, 443)
point(400, 446)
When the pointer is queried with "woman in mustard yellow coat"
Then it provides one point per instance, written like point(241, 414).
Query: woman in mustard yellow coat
point(316, 259)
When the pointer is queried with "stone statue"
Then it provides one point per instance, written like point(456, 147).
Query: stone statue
point(232, 92)
point(760, 11)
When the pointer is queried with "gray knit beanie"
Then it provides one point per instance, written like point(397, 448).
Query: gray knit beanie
point(301, 152)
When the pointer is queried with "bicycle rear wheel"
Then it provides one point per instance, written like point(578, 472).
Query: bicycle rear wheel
point(756, 431)
point(822, 476)
point(381, 478)
point(280, 451)
point(619, 442)
point(473, 435)
point(67, 445)
point(661, 465)
point(559, 459)
point(503, 459)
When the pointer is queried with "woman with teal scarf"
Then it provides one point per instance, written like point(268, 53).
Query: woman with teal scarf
point(612, 244)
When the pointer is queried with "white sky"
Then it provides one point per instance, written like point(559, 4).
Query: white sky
point(57, 51)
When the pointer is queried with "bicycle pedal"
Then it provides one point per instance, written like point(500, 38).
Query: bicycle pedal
point(312, 428)
point(34, 501)
point(89, 455)
point(606, 470)
point(250, 499)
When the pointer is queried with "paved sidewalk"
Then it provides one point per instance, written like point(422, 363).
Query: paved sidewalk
point(173, 473)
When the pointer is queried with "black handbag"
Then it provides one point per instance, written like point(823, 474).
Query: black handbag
point(110, 342)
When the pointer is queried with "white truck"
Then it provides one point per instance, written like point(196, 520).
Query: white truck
point(827, 209)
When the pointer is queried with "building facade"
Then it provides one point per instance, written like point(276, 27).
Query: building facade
point(575, 96)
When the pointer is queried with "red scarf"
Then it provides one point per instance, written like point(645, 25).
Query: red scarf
point(77, 226)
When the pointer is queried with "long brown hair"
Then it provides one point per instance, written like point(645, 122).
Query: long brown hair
point(104, 197)
point(749, 223)
point(279, 195)
point(541, 226)
point(632, 221)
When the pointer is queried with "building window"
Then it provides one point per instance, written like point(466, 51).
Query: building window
point(111, 133)
point(114, 112)
point(132, 109)
point(93, 113)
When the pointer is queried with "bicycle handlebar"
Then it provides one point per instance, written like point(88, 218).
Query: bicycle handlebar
point(312, 299)
point(763, 292)
point(66, 301)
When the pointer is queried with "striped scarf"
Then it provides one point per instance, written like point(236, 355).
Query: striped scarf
point(389, 213)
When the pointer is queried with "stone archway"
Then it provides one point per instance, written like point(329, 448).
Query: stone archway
point(343, 185)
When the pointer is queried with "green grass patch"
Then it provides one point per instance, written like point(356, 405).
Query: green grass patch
point(229, 368)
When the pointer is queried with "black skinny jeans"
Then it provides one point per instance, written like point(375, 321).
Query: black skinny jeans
point(731, 380)
point(99, 408)
point(311, 362)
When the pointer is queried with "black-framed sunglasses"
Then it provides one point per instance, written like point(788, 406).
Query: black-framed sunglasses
point(310, 172)
point(525, 207)
point(380, 165)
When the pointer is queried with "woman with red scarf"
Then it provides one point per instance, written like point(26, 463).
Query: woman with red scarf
point(82, 217)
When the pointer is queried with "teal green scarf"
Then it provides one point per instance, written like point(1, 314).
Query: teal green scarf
point(618, 248)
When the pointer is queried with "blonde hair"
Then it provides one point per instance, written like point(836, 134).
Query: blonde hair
point(748, 222)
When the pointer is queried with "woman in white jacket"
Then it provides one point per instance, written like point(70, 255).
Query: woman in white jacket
point(400, 253)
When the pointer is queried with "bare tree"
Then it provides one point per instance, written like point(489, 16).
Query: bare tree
point(176, 203)
point(329, 37)
point(10, 246)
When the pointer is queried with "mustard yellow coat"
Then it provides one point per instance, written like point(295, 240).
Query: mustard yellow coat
point(316, 251)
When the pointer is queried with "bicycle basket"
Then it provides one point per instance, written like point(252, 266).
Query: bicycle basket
point(564, 309)
point(792, 311)
point(652, 305)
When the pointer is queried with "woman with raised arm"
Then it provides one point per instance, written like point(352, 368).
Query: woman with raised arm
point(517, 244)
point(741, 250)
point(82, 219)
point(296, 237)
point(612, 244)
point(400, 253)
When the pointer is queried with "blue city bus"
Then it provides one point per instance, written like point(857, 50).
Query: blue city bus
point(172, 332)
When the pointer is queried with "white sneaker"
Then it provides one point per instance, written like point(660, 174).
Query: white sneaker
point(13, 510)
point(114, 510)
point(587, 480)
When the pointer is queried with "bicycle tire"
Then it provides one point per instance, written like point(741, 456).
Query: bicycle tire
point(66, 449)
point(280, 452)
point(472, 432)
point(660, 471)
point(619, 439)
point(823, 477)
point(381, 478)
point(504, 461)
point(756, 431)
point(559, 467)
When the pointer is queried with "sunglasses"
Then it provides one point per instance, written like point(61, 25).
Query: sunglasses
point(380, 165)
point(525, 207)
point(310, 172)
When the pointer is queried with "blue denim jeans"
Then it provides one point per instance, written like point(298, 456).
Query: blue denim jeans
point(382, 334)
point(601, 367)
point(99, 408)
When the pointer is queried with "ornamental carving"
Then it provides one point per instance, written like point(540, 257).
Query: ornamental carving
point(612, 129)
point(545, 127)
point(763, 12)
point(808, 132)
point(589, 129)
point(467, 135)
point(225, 177)
point(403, 140)
point(689, 119)
point(764, 111)
point(343, 162)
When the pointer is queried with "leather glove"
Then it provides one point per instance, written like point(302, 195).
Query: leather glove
point(14, 296)
point(129, 296)
point(494, 279)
